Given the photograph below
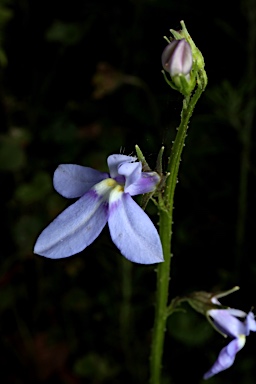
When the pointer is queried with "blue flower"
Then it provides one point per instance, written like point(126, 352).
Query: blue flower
point(103, 198)
point(227, 323)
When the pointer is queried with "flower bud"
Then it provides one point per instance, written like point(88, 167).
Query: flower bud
point(177, 58)
point(184, 62)
point(183, 34)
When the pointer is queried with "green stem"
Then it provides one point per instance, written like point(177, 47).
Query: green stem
point(165, 232)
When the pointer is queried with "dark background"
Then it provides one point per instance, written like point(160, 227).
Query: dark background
point(79, 81)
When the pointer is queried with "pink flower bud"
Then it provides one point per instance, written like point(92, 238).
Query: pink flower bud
point(177, 58)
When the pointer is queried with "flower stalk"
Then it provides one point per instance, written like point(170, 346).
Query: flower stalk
point(165, 229)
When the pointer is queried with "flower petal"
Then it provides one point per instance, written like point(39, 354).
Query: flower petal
point(146, 183)
point(236, 312)
point(132, 231)
point(114, 161)
point(250, 323)
point(227, 323)
point(75, 228)
point(214, 300)
point(131, 171)
point(72, 180)
point(226, 357)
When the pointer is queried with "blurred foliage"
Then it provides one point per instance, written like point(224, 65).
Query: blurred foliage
point(12, 156)
point(64, 33)
point(5, 15)
point(78, 82)
point(183, 322)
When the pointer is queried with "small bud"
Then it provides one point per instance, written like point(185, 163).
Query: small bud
point(177, 58)
point(184, 62)
point(183, 34)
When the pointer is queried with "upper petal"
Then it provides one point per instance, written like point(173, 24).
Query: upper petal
point(146, 183)
point(132, 231)
point(226, 357)
point(72, 180)
point(227, 323)
point(75, 228)
point(131, 171)
point(114, 161)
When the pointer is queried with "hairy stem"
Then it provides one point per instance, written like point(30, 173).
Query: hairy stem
point(165, 232)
